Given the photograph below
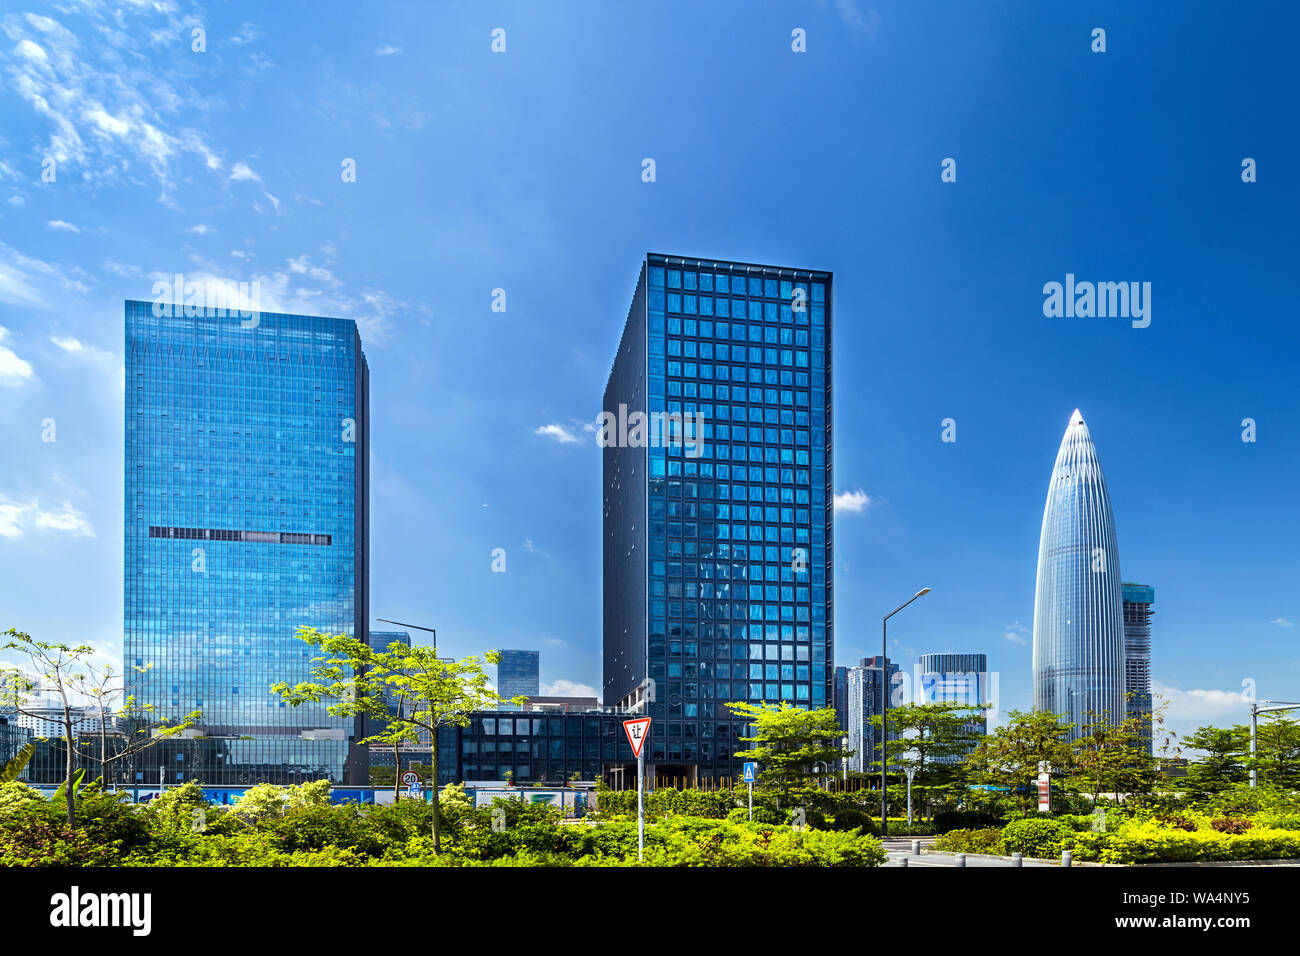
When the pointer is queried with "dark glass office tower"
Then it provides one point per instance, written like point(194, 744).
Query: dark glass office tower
point(1138, 608)
point(518, 675)
point(247, 516)
point(717, 512)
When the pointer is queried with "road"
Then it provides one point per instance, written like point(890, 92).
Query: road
point(900, 848)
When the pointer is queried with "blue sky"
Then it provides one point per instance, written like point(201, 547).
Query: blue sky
point(522, 170)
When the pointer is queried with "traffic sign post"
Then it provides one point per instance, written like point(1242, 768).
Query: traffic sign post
point(412, 781)
point(751, 771)
point(637, 730)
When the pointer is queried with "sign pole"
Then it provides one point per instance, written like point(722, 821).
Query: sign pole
point(637, 730)
point(751, 801)
point(640, 808)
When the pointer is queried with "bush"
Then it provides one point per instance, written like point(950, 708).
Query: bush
point(42, 843)
point(18, 799)
point(851, 819)
point(987, 840)
point(1150, 842)
point(984, 819)
point(1233, 825)
point(1036, 837)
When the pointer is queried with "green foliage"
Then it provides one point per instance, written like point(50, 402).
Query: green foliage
point(266, 801)
point(14, 768)
point(987, 840)
point(18, 799)
point(1009, 757)
point(44, 843)
point(850, 819)
point(1043, 838)
point(973, 819)
point(790, 742)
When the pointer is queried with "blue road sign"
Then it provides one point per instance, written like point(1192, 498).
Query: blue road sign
point(751, 772)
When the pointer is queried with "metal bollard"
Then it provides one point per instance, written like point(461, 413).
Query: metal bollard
point(961, 859)
point(903, 862)
point(916, 848)
point(1066, 858)
point(1017, 859)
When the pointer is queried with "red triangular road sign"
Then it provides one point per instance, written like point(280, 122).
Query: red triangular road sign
point(637, 731)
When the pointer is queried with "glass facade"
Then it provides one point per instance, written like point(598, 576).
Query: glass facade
point(518, 675)
point(956, 679)
point(246, 517)
point(717, 546)
point(1078, 621)
point(1138, 601)
point(550, 747)
point(864, 685)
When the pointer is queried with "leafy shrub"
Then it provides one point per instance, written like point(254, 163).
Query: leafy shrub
point(1279, 821)
point(266, 801)
point(987, 840)
point(1042, 838)
point(43, 843)
point(1149, 841)
point(1233, 825)
point(982, 819)
point(1177, 821)
point(850, 819)
point(19, 799)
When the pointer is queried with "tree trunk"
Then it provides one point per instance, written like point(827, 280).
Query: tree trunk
point(397, 773)
point(103, 751)
point(433, 756)
point(67, 766)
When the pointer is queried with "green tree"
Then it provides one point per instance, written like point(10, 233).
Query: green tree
point(1109, 758)
point(930, 736)
point(429, 692)
point(1277, 759)
point(790, 742)
point(1008, 758)
point(1224, 764)
point(55, 669)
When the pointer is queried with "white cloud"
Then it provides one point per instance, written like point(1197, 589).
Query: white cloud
point(851, 502)
point(13, 370)
point(26, 281)
point(241, 172)
point(200, 229)
point(109, 114)
point(858, 18)
point(558, 432)
point(16, 201)
point(1016, 633)
point(568, 688)
point(60, 224)
point(17, 517)
point(67, 344)
point(1189, 709)
point(387, 50)
point(1282, 622)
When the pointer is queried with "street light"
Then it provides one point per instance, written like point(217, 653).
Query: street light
point(431, 630)
point(884, 709)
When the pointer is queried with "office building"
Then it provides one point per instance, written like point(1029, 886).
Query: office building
point(517, 676)
point(956, 679)
point(1078, 661)
point(1138, 602)
point(864, 685)
point(718, 498)
point(247, 517)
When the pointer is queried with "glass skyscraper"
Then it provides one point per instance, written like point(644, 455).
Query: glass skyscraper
point(1078, 618)
point(247, 516)
point(717, 511)
point(518, 675)
point(1138, 601)
point(864, 685)
point(956, 679)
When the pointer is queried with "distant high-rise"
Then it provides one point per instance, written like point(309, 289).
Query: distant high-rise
point(1078, 616)
point(518, 675)
point(247, 517)
point(718, 504)
point(863, 684)
point(956, 679)
point(1138, 599)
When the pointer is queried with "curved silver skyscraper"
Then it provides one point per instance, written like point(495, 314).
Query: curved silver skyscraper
point(1078, 605)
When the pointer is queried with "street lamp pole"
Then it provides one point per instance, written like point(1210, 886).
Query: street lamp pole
point(884, 710)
